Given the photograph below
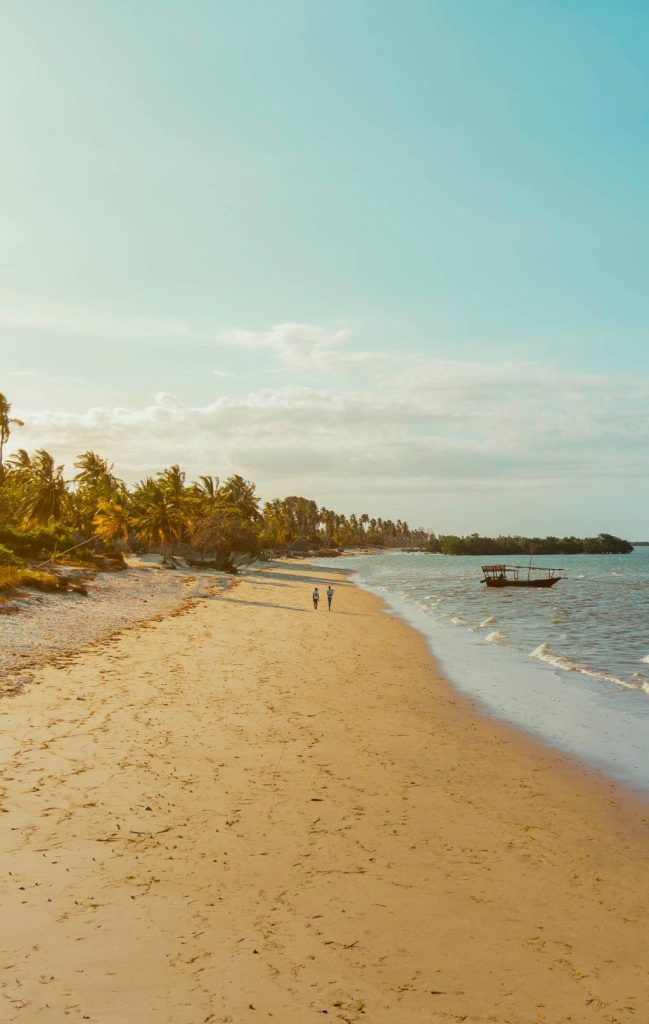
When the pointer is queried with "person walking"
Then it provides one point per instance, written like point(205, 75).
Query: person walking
point(330, 594)
point(316, 598)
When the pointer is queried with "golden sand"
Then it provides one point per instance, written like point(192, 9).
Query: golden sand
point(255, 811)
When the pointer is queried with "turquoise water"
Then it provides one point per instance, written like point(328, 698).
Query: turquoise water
point(570, 664)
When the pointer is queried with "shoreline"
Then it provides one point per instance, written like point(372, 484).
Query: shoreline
point(254, 810)
point(633, 796)
point(565, 711)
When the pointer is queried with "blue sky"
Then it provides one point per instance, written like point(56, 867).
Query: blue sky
point(386, 254)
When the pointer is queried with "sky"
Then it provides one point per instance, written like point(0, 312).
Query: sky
point(392, 255)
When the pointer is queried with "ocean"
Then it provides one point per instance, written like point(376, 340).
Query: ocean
point(569, 665)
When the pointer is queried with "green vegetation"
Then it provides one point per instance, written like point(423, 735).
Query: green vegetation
point(39, 543)
point(6, 423)
point(7, 557)
point(12, 578)
point(221, 523)
point(603, 544)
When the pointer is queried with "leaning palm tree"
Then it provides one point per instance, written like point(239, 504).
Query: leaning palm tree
point(95, 473)
point(20, 461)
point(6, 423)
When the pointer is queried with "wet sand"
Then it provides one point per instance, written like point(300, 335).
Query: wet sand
point(251, 811)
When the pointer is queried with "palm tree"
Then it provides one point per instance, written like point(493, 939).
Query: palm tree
point(240, 494)
point(20, 461)
point(94, 472)
point(208, 485)
point(207, 489)
point(364, 520)
point(112, 519)
point(95, 481)
point(45, 490)
point(156, 516)
point(6, 423)
point(172, 481)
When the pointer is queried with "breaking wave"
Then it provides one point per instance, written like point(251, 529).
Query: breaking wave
point(495, 637)
point(543, 653)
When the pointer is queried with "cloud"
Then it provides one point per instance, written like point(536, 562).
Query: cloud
point(291, 346)
point(301, 346)
point(287, 339)
point(429, 427)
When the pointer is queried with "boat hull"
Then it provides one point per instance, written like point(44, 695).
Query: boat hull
point(542, 584)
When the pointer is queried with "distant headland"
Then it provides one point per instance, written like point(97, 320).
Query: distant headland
point(474, 544)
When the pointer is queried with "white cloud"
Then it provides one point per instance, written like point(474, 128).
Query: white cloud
point(287, 339)
point(431, 427)
point(403, 431)
point(300, 346)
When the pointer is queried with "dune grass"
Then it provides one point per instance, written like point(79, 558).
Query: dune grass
point(15, 578)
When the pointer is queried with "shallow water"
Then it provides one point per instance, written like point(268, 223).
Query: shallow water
point(570, 664)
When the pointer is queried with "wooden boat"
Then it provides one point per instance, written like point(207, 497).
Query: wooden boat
point(508, 576)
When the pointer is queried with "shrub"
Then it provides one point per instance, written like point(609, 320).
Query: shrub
point(37, 543)
point(7, 557)
point(12, 578)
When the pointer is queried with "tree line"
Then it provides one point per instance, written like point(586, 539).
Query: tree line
point(603, 544)
point(42, 509)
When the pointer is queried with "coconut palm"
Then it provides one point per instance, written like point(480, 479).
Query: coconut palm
point(207, 488)
point(95, 473)
point(6, 423)
point(95, 481)
point(239, 494)
point(172, 482)
point(45, 490)
point(20, 461)
point(156, 517)
point(113, 519)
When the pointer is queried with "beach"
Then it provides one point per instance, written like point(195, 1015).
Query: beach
point(246, 810)
point(41, 628)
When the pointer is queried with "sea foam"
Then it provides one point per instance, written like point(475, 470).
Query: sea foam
point(543, 653)
point(495, 637)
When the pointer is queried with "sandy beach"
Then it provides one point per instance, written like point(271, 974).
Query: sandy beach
point(40, 628)
point(249, 810)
